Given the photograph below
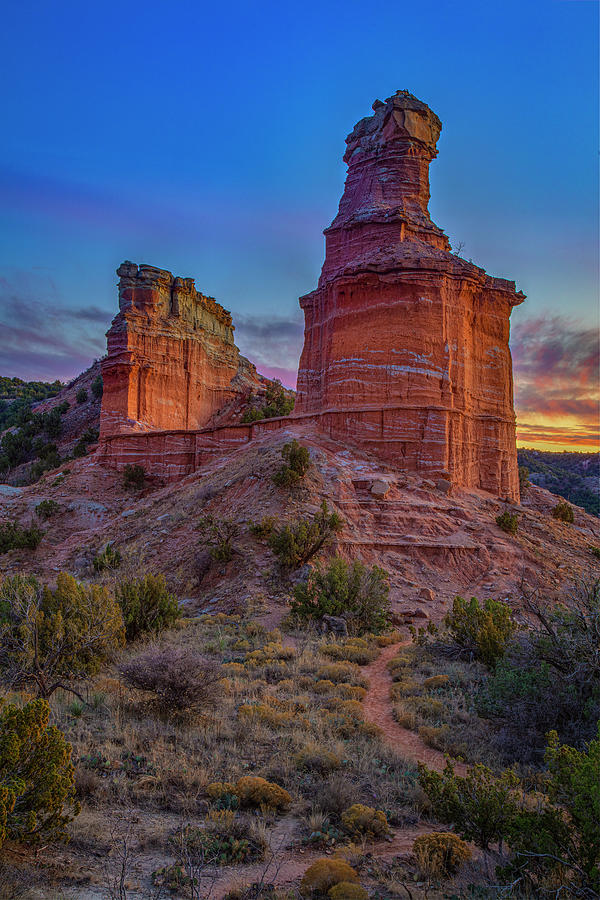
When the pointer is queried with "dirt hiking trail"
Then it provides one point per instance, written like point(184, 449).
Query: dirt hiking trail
point(377, 708)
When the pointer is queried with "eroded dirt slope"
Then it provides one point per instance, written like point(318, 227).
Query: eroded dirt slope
point(434, 543)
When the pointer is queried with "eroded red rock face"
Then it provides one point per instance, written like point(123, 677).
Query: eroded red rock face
point(172, 362)
point(406, 345)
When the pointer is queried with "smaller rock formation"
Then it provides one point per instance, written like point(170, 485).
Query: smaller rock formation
point(172, 362)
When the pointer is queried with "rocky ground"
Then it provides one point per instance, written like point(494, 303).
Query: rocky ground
point(435, 542)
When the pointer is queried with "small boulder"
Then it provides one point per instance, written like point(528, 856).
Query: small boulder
point(334, 624)
point(427, 594)
point(416, 613)
point(443, 485)
point(380, 488)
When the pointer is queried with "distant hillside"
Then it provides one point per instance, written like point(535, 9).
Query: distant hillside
point(46, 425)
point(574, 476)
point(16, 395)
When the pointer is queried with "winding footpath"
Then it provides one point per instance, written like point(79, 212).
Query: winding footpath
point(378, 709)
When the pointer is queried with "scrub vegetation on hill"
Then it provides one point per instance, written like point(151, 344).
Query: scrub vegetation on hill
point(34, 441)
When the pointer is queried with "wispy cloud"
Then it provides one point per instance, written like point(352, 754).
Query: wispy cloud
point(272, 343)
point(41, 337)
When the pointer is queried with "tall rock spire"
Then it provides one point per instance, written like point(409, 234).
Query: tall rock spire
point(406, 345)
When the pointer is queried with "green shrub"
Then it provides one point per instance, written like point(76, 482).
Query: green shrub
point(595, 551)
point(508, 522)
point(358, 594)
point(219, 535)
point(134, 477)
point(484, 630)
point(175, 879)
point(37, 778)
point(97, 387)
point(295, 543)
point(264, 528)
point(558, 842)
point(90, 436)
point(525, 699)
point(81, 395)
point(252, 415)
point(277, 403)
point(14, 537)
point(40, 466)
point(324, 874)
point(285, 477)
point(440, 854)
point(480, 806)
point(50, 638)
point(563, 512)
point(109, 558)
point(147, 605)
point(549, 678)
point(80, 449)
point(297, 460)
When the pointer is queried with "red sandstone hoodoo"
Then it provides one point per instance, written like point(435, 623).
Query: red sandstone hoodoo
point(405, 348)
point(406, 345)
point(172, 362)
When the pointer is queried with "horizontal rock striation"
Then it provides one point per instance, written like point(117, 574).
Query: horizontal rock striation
point(406, 344)
point(172, 362)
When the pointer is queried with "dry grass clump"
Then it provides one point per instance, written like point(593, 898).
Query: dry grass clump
point(345, 890)
point(436, 681)
point(264, 713)
point(273, 651)
point(343, 690)
point(355, 649)
point(323, 875)
point(440, 854)
point(436, 736)
point(251, 791)
point(317, 759)
point(337, 672)
point(234, 668)
point(337, 794)
point(256, 792)
point(360, 820)
point(387, 639)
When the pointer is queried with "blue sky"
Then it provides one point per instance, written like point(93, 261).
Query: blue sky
point(208, 138)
